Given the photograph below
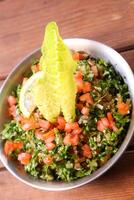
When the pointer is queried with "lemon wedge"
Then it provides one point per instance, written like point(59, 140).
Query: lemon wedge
point(26, 99)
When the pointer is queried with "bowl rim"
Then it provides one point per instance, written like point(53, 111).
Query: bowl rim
point(101, 170)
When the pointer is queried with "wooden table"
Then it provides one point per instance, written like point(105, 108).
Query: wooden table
point(21, 31)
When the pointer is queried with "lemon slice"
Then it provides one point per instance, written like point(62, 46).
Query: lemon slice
point(26, 99)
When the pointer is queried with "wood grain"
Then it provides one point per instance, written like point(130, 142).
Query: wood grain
point(118, 183)
point(22, 24)
point(21, 31)
point(129, 56)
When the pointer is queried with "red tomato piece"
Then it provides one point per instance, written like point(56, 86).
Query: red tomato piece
point(85, 111)
point(105, 122)
point(74, 140)
point(75, 125)
point(39, 135)
point(78, 56)
point(18, 145)
point(86, 87)
point(11, 100)
point(100, 126)
point(67, 139)
point(24, 158)
point(8, 147)
point(77, 131)
point(49, 136)
point(112, 124)
point(78, 75)
point(48, 160)
point(86, 151)
point(79, 84)
point(71, 126)
point(29, 124)
point(44, 124)
point(71, 140)
point(123, 108)
point(109, 117)
point(79, 106)
point(50, 146)
point(61, 123)
point(68, 127)
point(86, 97)
point(12, 111)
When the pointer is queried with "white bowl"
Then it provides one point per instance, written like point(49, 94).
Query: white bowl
point(95, 49)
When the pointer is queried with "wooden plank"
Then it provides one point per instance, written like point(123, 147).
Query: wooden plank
point(22, 24)
point(1, 165)
point(118, 183)
point(129, 57)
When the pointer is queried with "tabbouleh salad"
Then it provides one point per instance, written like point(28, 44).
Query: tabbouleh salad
point(65, 151)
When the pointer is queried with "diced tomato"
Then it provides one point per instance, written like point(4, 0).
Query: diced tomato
point(79, 106)
point(87, 151)
point(78, 56)
point(35, 68)
point(61, 123)
point(79, 81)
point(100, 126)
point(8, 147)
point(123, 108)
point(11, 100)
point(112, 124)
point(78, 75)
point(71, 126)
point(86, 97)
point(18, 145)
point(50, 146)
point(77, 131)
point(44, 124)
point(86, 87)
point(24, 158)
point(48, 160)
point(68, 127)
point(67, 139)
point(85, 111)
point(94, 70)
point(49, 136)
point(29, 124)
point(74, 140)
point(75, 125)
point(105, 122)
point(71, 139)
point(39, 135)
point(109, 116)
point(79, 84)
point(12, 111)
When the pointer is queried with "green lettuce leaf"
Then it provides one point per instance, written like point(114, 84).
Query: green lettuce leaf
point(56, 91)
